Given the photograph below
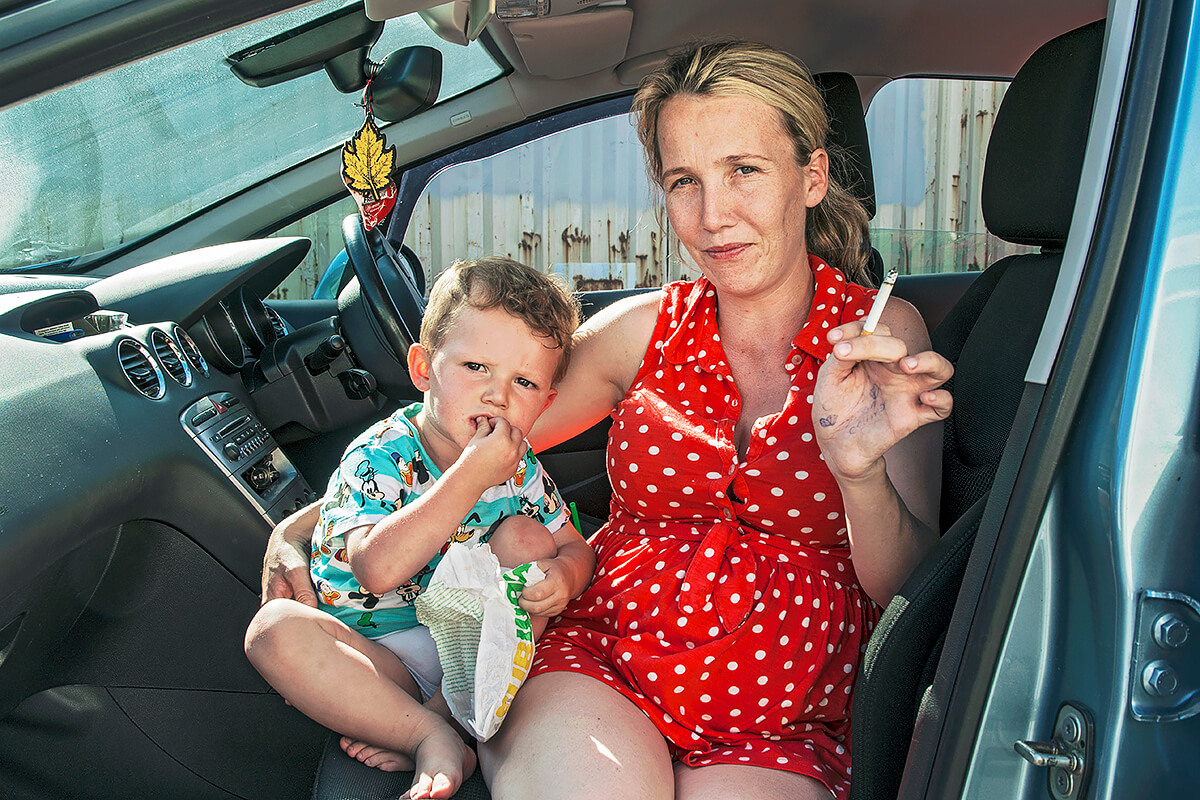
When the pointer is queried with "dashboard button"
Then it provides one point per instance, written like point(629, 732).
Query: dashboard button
point(203, 417)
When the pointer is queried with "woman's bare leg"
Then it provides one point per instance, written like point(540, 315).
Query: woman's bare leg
point(725, 781)
point(570, 736)
point(350, 684)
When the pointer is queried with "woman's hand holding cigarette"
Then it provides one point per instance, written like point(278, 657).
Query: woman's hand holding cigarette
point(876, 389)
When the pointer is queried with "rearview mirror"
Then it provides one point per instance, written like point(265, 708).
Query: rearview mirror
point(338, 41)
point(405, 83)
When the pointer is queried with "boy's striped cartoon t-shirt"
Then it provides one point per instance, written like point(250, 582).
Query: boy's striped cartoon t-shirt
point(386, 468)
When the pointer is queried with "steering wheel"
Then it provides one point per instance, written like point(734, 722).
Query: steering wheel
point(391, 286)
point(387, 284)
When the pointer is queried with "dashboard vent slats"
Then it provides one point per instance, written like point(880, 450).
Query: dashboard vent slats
point(171, 357)
point(190, 351)
point(140, 368)
point(281, 328)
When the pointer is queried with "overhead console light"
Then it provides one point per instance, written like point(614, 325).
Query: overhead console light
point(524, 9)
point(570, 45)
point(520, 9)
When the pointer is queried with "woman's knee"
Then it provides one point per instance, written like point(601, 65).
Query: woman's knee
point(520, 540)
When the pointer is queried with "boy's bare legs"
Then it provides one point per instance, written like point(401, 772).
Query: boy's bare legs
point(517, 540)
point(350, 684)
point(522, 540)
point(389, 760)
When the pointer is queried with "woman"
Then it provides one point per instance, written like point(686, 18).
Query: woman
point(772, 481)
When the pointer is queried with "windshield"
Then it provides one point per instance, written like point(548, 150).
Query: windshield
point(123, 154)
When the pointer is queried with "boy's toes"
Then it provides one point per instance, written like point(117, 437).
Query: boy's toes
point(378, 757)
point(351, 747)
point(387, 760)
point(422, 787)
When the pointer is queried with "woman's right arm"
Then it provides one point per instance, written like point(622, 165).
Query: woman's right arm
point(607, 352)
point(285, 565)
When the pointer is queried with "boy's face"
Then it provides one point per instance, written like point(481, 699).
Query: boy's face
point(489, 365)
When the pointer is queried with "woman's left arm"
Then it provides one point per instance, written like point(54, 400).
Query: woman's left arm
point(876, 409)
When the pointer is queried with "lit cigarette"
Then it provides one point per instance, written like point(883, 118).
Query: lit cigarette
point(885, 291)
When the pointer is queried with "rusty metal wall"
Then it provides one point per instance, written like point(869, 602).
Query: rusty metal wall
point(929, 143)
point(576, 203)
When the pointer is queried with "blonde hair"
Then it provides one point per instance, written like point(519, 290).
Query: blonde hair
point(836, 228)
point(540, 301)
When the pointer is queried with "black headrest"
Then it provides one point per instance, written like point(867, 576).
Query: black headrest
point(1035, 154)
point(848, 133)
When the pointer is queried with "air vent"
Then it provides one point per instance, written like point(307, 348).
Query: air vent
point(171, 357)
point(190, 351)
point(140, 368)
point(281, 328)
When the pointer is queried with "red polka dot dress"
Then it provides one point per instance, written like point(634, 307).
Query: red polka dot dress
point(724, 603)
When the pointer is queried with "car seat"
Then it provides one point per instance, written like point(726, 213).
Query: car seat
point(1031, 176)
point(848, 136)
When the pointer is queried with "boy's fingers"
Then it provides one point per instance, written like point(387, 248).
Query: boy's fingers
point(292, 584)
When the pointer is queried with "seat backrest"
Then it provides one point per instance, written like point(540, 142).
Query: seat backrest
point(848, 136)
point(1031, 177)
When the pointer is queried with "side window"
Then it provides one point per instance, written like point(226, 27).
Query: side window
point(318, 274)
point(576, 203)
point(928, 143)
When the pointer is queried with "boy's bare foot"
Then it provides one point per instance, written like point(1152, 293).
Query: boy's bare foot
point(378, 757)
point(437, 704)
point(443, 761)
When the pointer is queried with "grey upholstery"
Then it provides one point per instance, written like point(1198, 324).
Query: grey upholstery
point(848, 140)
point(1031, 177)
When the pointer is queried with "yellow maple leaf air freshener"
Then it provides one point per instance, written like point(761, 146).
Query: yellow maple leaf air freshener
point(367, 164)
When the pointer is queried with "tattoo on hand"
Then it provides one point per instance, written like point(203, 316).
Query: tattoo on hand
point(869, 415)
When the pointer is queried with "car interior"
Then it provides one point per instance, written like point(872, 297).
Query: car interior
point(148, 456)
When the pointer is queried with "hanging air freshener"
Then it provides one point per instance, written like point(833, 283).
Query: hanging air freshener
point(367, 164)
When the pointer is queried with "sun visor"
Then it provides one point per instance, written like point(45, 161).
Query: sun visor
point(573, 44)
point(390, 9)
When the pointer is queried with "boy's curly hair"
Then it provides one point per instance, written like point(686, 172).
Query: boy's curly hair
point(540, 301)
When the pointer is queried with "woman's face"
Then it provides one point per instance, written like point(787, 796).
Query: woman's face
point(734, 193)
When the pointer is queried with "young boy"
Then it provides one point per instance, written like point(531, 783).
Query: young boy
point(495, 338)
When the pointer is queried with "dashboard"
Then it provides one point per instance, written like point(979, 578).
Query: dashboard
point(167, 392)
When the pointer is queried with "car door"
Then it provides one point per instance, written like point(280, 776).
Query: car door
point(1074, 634)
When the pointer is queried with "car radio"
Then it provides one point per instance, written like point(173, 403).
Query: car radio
point(244, 450)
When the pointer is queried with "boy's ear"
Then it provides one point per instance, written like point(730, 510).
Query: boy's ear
point(418, 366)
point(549, 399)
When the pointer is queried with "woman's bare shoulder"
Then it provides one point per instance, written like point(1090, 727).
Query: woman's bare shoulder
point(627, 314)
point(905, 322)
point(616, 337)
